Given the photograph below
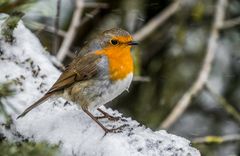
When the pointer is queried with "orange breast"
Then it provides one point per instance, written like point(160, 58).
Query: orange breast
point(120, 61)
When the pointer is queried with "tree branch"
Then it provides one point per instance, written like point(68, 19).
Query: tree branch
point(141, 79)
point(197, 86)
point(96, 5)
point(223, 102)
point(216, 139)
point(51, 29)
point(71, 31)
point(56, 26)
point(231, 23)
point(89, 16)
point(155, 22)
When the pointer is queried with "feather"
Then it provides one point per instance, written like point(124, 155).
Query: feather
point(82, 68)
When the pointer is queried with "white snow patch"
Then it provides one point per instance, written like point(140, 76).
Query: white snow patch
point(26, 61)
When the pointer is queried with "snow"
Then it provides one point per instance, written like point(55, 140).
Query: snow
point(27, 63)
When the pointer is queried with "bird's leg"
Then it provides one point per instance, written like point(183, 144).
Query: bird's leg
point(113, 130)
point(106, 115)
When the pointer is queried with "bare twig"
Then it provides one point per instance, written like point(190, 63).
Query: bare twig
point(89, 16)
point(155, 22)
point(51, 30)
point(56, 25)
point(197, 86)
point(56, 63)
point(141, 79)
point(71, 31)
point(231, 23)
point(216, 139)
point(71, 55)
point(39, 26)
point(223, 102)
point(96, 5)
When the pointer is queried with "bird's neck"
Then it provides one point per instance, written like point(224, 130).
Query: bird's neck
point(120, 62)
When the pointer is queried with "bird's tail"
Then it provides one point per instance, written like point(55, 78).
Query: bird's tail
point(37, 103)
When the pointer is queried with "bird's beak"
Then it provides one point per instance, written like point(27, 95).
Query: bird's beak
point(132, 43)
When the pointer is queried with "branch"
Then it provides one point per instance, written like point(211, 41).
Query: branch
point(39, 27)
point(231, 23)
point(72, 31)
point(56, 26)
point(223, 102)
point(89, 16)
point(96, 5)
point(56, 123)
point(141, 79)
point(51, 29)
point(155, 22)
point(197, 86)
point(216, 139)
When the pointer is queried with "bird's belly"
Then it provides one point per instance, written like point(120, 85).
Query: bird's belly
point(111, 91)
point(96, 93)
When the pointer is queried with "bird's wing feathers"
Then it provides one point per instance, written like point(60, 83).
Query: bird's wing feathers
point(82, 68)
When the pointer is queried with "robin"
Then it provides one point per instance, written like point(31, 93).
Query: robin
point(102, 72)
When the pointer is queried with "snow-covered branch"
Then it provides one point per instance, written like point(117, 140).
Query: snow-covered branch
point(27, 63)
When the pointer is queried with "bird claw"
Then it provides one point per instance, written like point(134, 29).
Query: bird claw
point(109, 117)
point(114, 130)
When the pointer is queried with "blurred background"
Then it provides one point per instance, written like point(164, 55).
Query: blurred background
point(187, 66)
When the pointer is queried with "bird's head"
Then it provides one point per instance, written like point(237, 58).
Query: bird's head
point(115, 39)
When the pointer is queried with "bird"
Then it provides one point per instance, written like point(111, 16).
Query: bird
point(100, 72)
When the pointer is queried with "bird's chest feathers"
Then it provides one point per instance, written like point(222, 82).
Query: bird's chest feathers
point(120, 62)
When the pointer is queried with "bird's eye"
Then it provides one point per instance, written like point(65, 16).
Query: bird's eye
point(114, 42)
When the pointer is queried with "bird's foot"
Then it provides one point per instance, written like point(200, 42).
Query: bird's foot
point(114, 130)
point(106, 115)
point(109, 117)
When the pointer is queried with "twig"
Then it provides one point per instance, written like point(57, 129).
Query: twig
point(56, 25)
point(71, 55)
point(56, 63)
point(231, 23)
point(96, 5)
point(223, 102)
point(89, 16)
point(37, 26)
point(155, 22)
point(141, 79)
point(197, 86)
point(51, 30)
point(71, 31)
point(216, 139)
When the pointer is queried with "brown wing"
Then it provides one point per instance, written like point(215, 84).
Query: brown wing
point(82, 68)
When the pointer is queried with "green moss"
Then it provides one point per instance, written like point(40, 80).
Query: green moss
point(9, 25)
point(27, 149)
point(5, 90)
